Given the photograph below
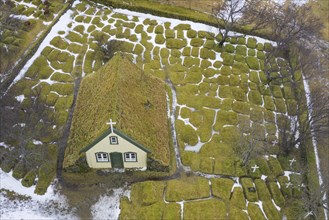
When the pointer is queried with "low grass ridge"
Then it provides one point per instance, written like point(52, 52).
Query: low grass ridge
point(134, 99)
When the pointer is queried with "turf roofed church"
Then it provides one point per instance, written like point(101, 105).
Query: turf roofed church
point(114, 149)
point(137, 102)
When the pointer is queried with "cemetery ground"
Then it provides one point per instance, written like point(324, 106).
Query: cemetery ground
point(222, 95)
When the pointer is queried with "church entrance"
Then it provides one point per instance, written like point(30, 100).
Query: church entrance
point(116, 160)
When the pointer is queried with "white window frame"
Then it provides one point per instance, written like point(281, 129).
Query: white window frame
point(130, 157)
point(104, 157)
point(114, 140)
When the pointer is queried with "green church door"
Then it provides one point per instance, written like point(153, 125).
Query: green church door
point(116, 160)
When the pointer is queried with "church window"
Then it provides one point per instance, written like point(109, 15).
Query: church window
point(102, 157)
point(130, 157)
point(114, 140)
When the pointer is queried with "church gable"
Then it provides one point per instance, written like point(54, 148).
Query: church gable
point(113, 138)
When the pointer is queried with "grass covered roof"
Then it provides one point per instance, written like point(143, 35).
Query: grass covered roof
point(135, 100)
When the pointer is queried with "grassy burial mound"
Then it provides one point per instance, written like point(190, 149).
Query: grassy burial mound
point(135, 100)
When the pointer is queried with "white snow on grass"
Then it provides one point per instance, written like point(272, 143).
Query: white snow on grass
point(3, 144)
point(108, 206)
point(298, 2)
point(194, 25)
point(61, 25)
point(20, 98)
point(27, 205)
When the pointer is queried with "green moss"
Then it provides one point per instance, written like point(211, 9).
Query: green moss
point(275, 166)
point(186, 133)
point(45, 176)
point(225, 118)
point(164, 53)
point(229, 48)
point(255, 213)
point(207, 54)
point(276, 91)
point(268, 47)
point(262, 190)
point(221, 188)
point(205, 64)
point(239, 94)
point(147, 193)
point(238, 199)
point(186, 51)
point(191, 33)
point(241, 107)
point(138, 49)
point(51, 99)
point(251, 52)
point(255, 97)
point(228, 59)
point(241, 40)
point(19, 171)
point(268, 103)
point(252, 63)
point(175, 53)
point(175, 43)
point(217, 64)
point(271, 212)
point(59, 77)
point(139, 29)
point(291, 106)
point(187, 189)
point(62, 89)
point(210, 44)
point(171, 211)
point(256, 114)
point(280, 105)
point(29, 178)
point(276, 194)
point(150, 29)
point(229, 134)
point(236, 213)
point(169, 34)
point(246, 184)
point(159, 29)
point(182, 27)
point(260, 55)
point(251, 43)
point(190, 61)
point(225, 92)
point(240, 68)
point(197, 42)
point(241, 50)
point(286, 190)
point(133, 38)
point(207, 209)
point(61, 43)
point(195, 52)
point(234, 80)
point(288, 92)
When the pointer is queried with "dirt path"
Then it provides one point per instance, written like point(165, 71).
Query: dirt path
point(63, 141)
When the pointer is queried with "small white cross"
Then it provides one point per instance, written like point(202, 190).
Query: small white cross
point(288, 184)
point(111, 123)
point(254, 168)
point(292, 161)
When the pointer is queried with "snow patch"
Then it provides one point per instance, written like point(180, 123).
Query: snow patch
point(51, 205)
point(20, 98)
point(108, 206)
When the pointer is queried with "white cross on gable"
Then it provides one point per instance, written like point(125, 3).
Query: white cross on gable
point(111, 123)
point(292, 161)
point(254, 168)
